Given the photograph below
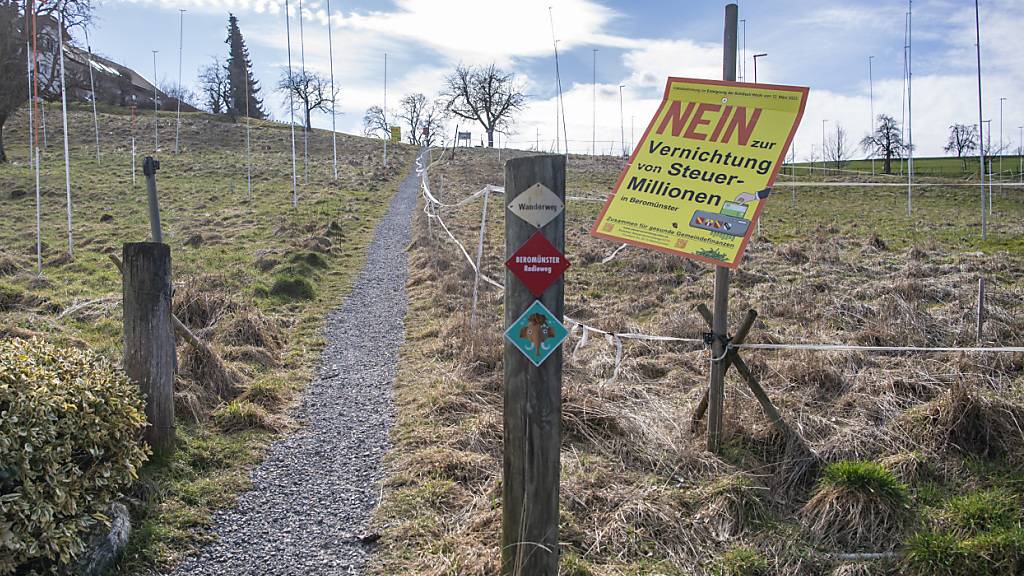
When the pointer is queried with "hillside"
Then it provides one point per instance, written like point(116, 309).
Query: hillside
point(915, 457)
point(252, 275)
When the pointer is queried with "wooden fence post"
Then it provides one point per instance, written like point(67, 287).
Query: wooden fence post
point(533, 394)
point(148, 336)
point(719, 326)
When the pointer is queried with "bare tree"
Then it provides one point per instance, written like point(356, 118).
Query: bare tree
point(837, 147)
point(176, 92)
point(483, 94)
point(213, 81)
point(311, 90)
point(375, 123)
point(885, 142)
point(424, 119)
point(963, 140)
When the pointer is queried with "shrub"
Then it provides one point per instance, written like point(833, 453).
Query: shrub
point(857, 504)
point(70, 427)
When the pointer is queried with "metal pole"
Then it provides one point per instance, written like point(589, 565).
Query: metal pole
point(39, 218)
point(248, 141)
point(291, 105)
point(981, 123)
point(756, 56)
point(716, 393)
point(743, 62)
point(305, 115)
point(31, 119)
point(92, 92)
point(1001, 152)
point(334, 96)
point(989, 165)
point(479, 257)
point(149, 168)
point(622, 122)
point(871, 96)
point(156, 114)
point(558, 81)
point(593, 136)
point(910, 106)
point(181, 44)
point(384, 111)
point(64, 114)
point(1020, 154)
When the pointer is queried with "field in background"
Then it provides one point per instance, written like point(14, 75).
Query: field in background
point(639, 493)
point(252, 275)
point(936, 166)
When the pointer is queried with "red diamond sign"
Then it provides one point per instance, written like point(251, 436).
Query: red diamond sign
point(537, 264)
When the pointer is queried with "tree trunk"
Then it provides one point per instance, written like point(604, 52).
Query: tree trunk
point(3, 155)
point(887, 169)
point(308, 125)
point(490, 138)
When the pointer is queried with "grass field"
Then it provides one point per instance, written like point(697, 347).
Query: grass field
point(252, 275)
point(940, 166)
point(899, 452)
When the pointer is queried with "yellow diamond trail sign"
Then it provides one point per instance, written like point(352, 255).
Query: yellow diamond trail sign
point(698, 180)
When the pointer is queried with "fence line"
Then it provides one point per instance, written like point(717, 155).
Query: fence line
point(615, 339)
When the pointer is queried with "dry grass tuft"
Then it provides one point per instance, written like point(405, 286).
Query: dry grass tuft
point(730, 505)
point(857, 505)
point(240, 415)
point(200, 303)
point(208, 372)
point(250, 327)
point(974, 422)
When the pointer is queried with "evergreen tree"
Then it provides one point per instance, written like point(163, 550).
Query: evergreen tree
point(239, 70)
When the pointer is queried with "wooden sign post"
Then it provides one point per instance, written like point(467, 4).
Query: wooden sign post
point(533, 385)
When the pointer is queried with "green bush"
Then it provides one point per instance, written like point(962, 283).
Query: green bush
point(70, 427)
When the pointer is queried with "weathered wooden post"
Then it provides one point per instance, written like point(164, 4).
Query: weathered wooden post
point(534, 293)
point(981, 309)
point(148, 336)
point(719, 326)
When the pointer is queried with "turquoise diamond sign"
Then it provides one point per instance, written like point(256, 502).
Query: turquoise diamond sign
point(537, 333)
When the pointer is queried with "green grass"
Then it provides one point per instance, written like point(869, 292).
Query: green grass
point(202, 192)
point(865, 477)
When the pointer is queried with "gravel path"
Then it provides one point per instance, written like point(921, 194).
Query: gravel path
point(313, 495)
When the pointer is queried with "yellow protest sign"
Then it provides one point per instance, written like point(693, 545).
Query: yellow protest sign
point(698, 180)
point(396, 133)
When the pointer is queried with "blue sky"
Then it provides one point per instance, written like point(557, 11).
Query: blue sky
point(823, 44)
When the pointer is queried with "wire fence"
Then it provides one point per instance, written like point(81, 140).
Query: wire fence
point(432, 209)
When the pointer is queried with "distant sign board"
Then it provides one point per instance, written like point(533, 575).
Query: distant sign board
point(698, 180)
point(396, 133)
point(467, 136)
point(537, 333)
point(537, 264)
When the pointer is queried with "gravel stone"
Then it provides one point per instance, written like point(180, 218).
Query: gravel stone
point(312, 497)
